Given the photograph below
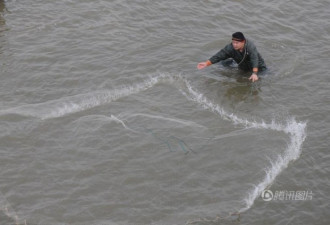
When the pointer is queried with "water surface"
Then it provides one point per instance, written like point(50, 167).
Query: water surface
point(106, 120)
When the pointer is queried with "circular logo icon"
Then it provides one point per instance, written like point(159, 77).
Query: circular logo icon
point(267, 195)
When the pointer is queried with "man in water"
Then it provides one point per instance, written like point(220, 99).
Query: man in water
point(245, 54)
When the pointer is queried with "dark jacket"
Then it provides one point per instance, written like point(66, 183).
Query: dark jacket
point(246, 60)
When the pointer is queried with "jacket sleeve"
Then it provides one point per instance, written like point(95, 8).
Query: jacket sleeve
point(221, 55)
point(253, 55)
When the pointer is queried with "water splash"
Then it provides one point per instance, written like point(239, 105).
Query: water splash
point(296, 131)
point(68, 105)
point(297, 134)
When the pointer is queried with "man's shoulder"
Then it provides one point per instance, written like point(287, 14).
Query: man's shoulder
point(250, 44)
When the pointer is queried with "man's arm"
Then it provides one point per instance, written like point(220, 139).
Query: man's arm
point(254, 61)
point(221, 55)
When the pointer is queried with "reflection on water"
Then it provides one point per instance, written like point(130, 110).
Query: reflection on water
point(243, 91)
point(236, 84)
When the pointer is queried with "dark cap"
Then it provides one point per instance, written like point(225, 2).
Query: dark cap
point(238, 36)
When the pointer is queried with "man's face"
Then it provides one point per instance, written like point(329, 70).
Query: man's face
point(238, 45)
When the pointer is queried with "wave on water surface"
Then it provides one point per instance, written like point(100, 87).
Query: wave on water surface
point(68, 105)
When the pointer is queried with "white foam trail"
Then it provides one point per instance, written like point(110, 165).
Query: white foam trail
point(74, 104)
point(296, 131)
point(297, 136)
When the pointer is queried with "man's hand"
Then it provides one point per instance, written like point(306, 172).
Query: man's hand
point(202, 65)
point(253, 77)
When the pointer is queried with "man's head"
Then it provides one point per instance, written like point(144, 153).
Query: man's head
point(238, 40)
